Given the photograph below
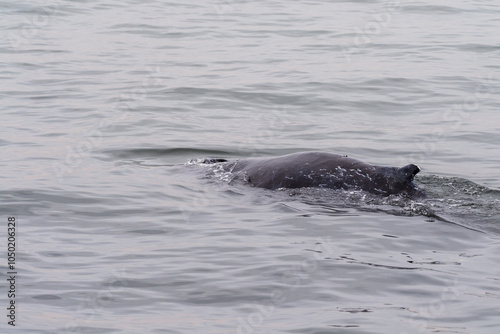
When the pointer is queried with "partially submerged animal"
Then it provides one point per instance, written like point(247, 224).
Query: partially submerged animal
point(324, 170)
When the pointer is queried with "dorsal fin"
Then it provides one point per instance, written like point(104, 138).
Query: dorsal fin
point(408, 172)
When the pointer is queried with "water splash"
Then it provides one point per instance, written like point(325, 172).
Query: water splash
point(452, 200)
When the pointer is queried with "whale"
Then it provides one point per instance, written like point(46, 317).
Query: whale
point(324, 170)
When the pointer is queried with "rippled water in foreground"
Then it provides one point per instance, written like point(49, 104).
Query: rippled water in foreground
point(106, 105)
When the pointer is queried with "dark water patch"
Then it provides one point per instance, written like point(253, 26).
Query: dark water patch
point(434, 9)
point(475, 47)
point(153, 31)
point(67, 254)
point(149, 231)
point(46, 297)
point(251, 96)
point(87, 329)
point(39, 197)
point(161, 152)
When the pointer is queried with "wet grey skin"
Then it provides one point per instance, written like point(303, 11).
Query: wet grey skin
point(325, 170)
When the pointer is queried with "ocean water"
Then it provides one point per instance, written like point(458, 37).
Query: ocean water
point(107, 107)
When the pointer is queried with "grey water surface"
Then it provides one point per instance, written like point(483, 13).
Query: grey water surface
point(107, 107)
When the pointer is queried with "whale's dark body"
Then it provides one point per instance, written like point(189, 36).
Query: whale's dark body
point(326, 170)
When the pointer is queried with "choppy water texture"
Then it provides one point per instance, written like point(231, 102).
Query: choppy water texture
point(106, 107)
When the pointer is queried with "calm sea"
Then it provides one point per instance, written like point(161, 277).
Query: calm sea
point(106, 107)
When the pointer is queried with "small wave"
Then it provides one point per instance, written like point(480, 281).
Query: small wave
point(161, 152)
point(435, 9)
point(463, 202)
